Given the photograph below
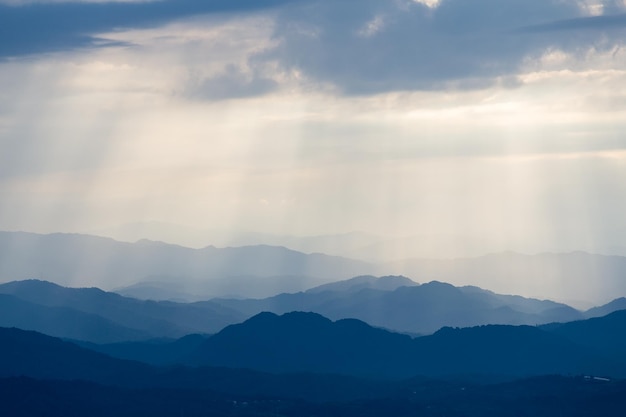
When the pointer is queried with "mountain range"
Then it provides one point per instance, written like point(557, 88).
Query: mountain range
point(264, 330)
point(410, 308)
point(299, 342)
point(94, 315)
point(576, 278)
point(157, 270)
point(393, 302)
point(307, 342)
point(252, 271)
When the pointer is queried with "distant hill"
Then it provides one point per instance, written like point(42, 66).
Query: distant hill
point(94, 315)
point(150, 270)
point(250, 271)
point(63, 322)
point(300, 342)
point(385, 283)
point(105, 317)
point(615, 305)
point(567, 277)
point(417, 309)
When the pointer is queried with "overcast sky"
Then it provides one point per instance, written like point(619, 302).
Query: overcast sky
point(500, 120)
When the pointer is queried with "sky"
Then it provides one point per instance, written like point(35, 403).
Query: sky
point(498, 121)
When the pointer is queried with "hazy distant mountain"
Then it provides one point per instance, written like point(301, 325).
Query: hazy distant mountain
point(615, 305)
point(297, 342)
point(345, 244)
point(175, 272)
point(63, 322)
point(94, 315)
point(568, 277)
point(251, 271)
point(386, 283)
point(411, 307)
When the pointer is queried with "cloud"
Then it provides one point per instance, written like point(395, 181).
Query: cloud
point(353, 46)
point(32, 28)
point(375, 46)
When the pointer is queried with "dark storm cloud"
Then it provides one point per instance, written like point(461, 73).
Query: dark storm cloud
point(370, 46)
point(41, 27)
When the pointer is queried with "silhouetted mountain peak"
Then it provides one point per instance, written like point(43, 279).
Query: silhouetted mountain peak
point(300, 341)
point(295, 322)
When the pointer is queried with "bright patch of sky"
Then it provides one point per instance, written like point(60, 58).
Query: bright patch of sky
point(501, 121)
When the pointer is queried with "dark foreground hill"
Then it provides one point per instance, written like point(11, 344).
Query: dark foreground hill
point(297, 342)
point(44, 376)
point(604, 334)
point(34, 355)
point(307, 342)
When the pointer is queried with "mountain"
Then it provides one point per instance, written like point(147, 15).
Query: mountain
point(104, 317)
point(604, 334)
point(156, 352)
point(576, 277)
point(308, 342)
point(63, 322)
point(148, 269)
point(355, 245)
point(615, 305)
point(251, 271)
point(386, 283)
point(34, 355)
point(417, 309)
point(94, 315)
point(301, 342)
